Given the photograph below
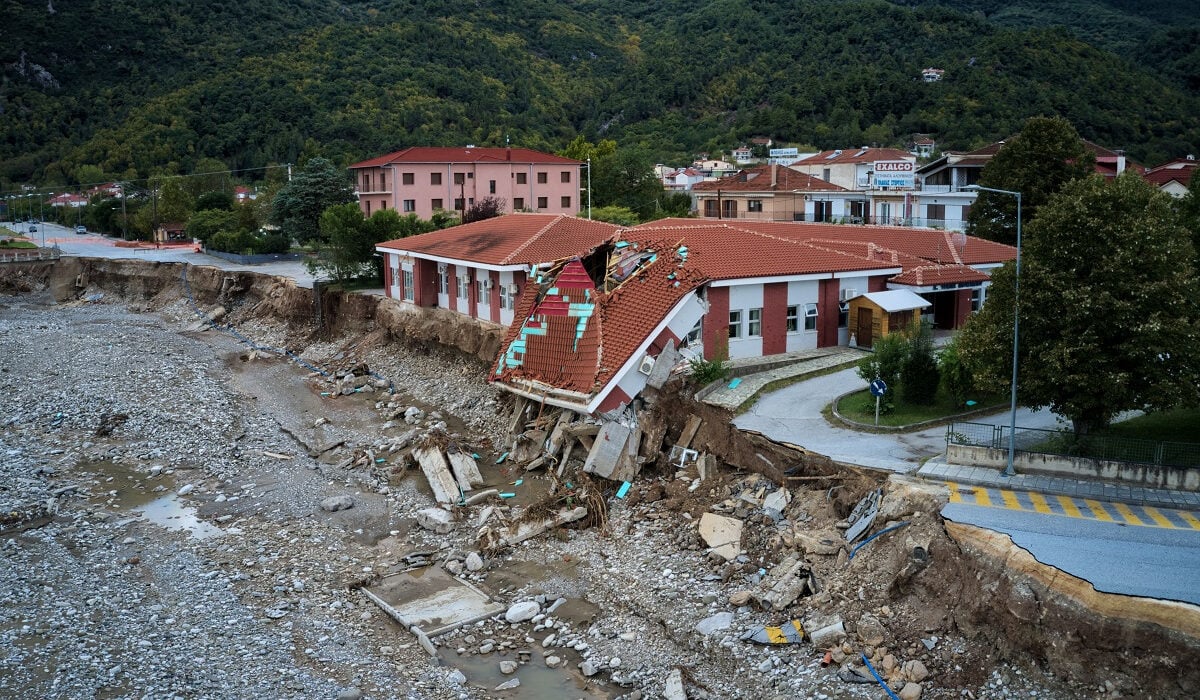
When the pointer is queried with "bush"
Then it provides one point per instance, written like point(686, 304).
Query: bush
point(247, 243)
point(955, 374)
point(705, 372)
point(919, 369)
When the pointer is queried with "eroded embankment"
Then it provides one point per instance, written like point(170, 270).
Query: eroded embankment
point(251, 294)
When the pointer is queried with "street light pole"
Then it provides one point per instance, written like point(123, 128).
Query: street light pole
point(1009, 470)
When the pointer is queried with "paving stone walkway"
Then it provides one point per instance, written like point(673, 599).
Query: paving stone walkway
point(749, 382)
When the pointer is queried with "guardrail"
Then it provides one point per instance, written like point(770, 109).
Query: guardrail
point(29, 254)
point(1062, 443)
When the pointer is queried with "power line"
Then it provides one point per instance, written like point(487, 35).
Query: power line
point(82, 185)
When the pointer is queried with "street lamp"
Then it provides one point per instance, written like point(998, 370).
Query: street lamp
point(1012, 415)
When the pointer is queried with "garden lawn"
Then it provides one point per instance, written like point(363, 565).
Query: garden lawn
point(860, 407)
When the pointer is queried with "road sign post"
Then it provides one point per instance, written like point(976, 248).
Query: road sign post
point(878, 389)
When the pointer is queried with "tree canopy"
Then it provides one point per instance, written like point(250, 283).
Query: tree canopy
point(1045, 156)
point(1108, 307)
point(298, 206)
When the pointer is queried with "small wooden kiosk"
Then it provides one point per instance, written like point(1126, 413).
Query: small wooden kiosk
point(875, 314)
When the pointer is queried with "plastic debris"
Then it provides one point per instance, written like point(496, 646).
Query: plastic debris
point(508, 495)
point(475, 455)
point(501, 458)
point(518, 482)
point(877, 534)
point(790, 633)
point(623, 490)
point(735, 382)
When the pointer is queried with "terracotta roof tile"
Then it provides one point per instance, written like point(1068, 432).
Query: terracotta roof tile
point(513, 239)
point(758, 179)
point(855, 155)
point(440, 154)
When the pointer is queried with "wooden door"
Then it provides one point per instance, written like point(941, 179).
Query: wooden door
point(863, 335)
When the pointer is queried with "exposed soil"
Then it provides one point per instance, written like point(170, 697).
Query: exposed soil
point(106, 600)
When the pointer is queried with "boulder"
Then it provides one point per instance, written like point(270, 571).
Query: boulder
point(910, 691)
point(336, 503)
point(722, 534)
point(438, 520)
point(871, 631)
point(520, 612)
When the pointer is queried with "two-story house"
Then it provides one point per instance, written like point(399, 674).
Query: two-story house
point(424, 179)
point(883, 176)
point(774, 193)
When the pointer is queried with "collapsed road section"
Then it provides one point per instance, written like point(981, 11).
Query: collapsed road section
point(382, 523)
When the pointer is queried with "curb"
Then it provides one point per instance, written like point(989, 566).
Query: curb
point(870, 428)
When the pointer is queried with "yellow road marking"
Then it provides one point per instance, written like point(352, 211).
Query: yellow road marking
point(1127, 514)
point(981, 496)
point(776, 635)
point(1069, 507)
point(1098, 510)
point(955, 496)
point(1010, 500)
point(1039, 503)
point(1158, 517)
point(1190, 519)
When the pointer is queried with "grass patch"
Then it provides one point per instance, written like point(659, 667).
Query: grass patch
point(1179, 425)
point(17, 244)
point(860, 407)
point(1166, 438)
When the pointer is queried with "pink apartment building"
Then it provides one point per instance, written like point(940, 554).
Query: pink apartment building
point(424, 179)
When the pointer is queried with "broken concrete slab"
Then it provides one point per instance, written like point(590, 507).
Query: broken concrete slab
point(863, 515)
point(628, 464)
point(437, 473)
point(689, 431)
point(436, 519)
point(723, 535)
point(431, 600)
point(336, 503)
point(715, 623)
point(607, 450)
point(788, 581)
point(466, 470)
point(673, 689)
point(788, 633)
point(776, 501)
point(663, 365)
point(492, 540)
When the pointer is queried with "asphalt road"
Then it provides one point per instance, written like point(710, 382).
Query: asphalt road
point(793, 414)
point(1152, 562)
point(96, 246)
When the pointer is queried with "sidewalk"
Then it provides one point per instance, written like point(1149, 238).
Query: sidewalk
point(937, 469)
point(748, 382)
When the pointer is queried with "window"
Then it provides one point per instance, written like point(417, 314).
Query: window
point(410, 205)
point(408, 285)
point(810, 317)
point(406, 178)
point(754, 324)
point(435, 178)
point(463, 284)
point(443, 281)
point(976, 299)
point(754, 205)
point(395, 275)
point(459, 205)
point(382, 180)
point(460, 178)
point(365, 182)
point(518, 203)
point(729, 208)
point(507, 295)
point(368, 203)
point(566, 202)
point(843, 314)
point(491, 187)
point(566, 176)
point(825, 174)
point(936, 215)
point(735, 324)
point(435, 204)
point(793, 319)
point(543, 178)
point(822, 211)
point(693, 335)
point(858, 212)
point(480, 291)
point(382, 204)
point(710, 208)
point(522, 178)
point(542, 203)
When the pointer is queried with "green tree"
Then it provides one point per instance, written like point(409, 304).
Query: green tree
point(919, 376)
point(346, 244)
point(299, 205)
point(486, 208)
point(214, 199)
point(955, 374)
point(89, 175)
point(1109, 321)
point(1189, 213)
point(885, 362)
point(205, 224)
point(1038, 162)
point(621, 216)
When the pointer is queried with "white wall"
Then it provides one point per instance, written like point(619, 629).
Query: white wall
point(687, 317)
point(858, 284)
point(743, 298)
point(506, 315)
point(799, 294)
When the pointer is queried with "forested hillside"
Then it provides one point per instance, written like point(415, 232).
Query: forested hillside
point(141, 86)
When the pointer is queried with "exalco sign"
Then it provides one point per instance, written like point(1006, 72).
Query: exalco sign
point(894, 173)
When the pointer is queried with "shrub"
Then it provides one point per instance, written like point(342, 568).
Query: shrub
point(919, 370)
point(955, 374)
point(705, 372)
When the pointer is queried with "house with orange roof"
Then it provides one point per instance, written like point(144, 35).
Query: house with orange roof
point(884, 177)
point(1173, 177)
point(422, 180)
point(67, 199)
point(775, 193)
point(479, 269)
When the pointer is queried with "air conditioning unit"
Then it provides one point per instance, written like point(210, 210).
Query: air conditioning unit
point(487, 284)
point(647, 365)
point(848, 294)
point(513, 289)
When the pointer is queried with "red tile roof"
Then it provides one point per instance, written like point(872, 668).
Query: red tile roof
point(722, 251)
point(855, 155)
point(1162, 175)
point(758, 179)
point(513, 239)
point(929, 275)
point(439, 154)
point(615, 326)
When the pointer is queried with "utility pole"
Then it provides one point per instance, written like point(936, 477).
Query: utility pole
point(589, 183)
point(124, 216)
point(289, 166)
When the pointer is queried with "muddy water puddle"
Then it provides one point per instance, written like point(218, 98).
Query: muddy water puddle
point(537, 680)
point(126, 489)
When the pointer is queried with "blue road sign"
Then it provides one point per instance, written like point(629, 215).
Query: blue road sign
point(878, 387)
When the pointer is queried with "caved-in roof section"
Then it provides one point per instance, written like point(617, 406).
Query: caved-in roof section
point(512, 239)
point(724, 251)
point(573, 336)
point(441, 154)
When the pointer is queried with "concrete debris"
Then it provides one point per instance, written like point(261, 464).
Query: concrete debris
point(863, 515)
point(829, 632)
point(791, 579)
point(437, 473)
point(673, 688)
point(509, 684)
point(871, 632)
point(520, 612)
point(723, 535)
point(776, 502)
point(825, 543)
point(466, 470)
point(715, 623)
point(607, 450)
point(436, 519)
point(493, 540)
point(689, 431)
point(789, 633)
point(663, 365)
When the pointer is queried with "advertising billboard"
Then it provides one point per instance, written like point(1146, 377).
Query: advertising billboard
point(895, 174)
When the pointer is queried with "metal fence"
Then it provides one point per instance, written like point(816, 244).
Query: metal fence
point(1066, 444)
point(29, 254)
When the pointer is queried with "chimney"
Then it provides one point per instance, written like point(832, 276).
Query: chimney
point(774, 173)
point(1120, 161)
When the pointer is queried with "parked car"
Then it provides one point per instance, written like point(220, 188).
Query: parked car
point(81, 229)
point(32, 228)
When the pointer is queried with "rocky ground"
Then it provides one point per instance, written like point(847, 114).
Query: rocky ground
point(173, 526)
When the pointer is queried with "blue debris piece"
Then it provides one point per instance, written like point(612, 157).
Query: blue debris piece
point(623, 490)
point(501, 458)
point(735, 382)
